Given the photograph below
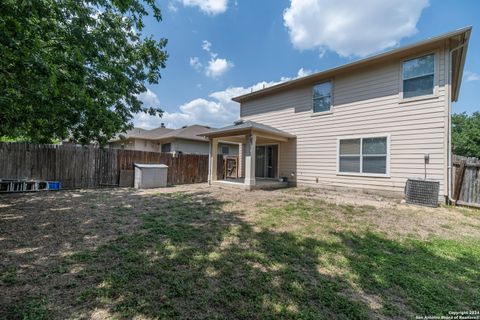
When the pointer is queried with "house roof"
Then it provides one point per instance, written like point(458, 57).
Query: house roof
point(139, 133)
point(161, 133)
point(155, 133)
point(241, 126)
point(132, 133)
point(188, 132)
point(460, 36)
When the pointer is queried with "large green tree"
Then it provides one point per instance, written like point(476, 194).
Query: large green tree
point(71, 68)
point(466, 134)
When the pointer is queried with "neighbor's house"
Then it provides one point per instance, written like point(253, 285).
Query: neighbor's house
point(184, 140)
point(368, 124)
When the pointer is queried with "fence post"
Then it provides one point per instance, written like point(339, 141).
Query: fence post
point(459, 174)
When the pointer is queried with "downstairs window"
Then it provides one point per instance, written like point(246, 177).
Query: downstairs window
point(363, 155)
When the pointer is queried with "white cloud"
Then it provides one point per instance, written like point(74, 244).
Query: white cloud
point(211, 7)
point(146, 121)
point(351, 27)
point(217, 67)
point(217, 110)
point(303, 72)
point(471, 76)
point(149, 98)
point(206, 45)
point(201, 111)
point(195, 63)
point(172, 7)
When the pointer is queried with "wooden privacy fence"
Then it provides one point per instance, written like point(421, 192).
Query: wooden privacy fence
point(90, 167)
point(466, 181)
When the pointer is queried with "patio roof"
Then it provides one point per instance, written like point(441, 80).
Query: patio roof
point(241, 127)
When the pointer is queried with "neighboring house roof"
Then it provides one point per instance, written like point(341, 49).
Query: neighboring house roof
point(459, 37)
point(155, 133)
point(139, 133)
point(241, 125)
point(161, 133)
point(188, 132)
point(132, 133)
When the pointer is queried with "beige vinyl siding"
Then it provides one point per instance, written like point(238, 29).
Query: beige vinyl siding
point(184, 145)
point(287, 161)
point(189, 146)
point(146, 145)
point(135, 144)
point(365, 102)
point(200, 147)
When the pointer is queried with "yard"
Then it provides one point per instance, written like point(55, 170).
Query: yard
point(200, 252)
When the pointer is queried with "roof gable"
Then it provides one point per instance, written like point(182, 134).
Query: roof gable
point(461, 35)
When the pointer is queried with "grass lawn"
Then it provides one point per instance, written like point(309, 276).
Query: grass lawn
point(209, 253)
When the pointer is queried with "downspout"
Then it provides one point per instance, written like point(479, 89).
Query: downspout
point(449, 125)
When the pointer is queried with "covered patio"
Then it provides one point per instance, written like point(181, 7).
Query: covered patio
point(260, 155)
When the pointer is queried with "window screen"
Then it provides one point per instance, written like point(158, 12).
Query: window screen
point(322, 97)
point(418, 76)
point(363, 155)
point(350, 155)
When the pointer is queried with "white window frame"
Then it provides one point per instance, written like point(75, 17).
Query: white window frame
point(331, 98)
point(435, 77)
point(361, 174)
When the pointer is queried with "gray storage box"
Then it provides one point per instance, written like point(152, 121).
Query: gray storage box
point(150, 176)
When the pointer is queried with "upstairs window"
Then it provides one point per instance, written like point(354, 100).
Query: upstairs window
point(363, 155)
point(322, 97)
point(418, 76)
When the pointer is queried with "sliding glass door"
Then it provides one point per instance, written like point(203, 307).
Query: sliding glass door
point(266, 161)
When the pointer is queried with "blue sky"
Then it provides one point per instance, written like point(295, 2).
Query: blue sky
point(222, 48)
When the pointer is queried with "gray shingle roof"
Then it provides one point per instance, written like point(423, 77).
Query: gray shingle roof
point(192, 132)
point(242, 125)
point(155, 133)
point(139, 133)
point(188, 132)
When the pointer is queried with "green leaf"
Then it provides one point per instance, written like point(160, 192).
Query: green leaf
point(75, 68)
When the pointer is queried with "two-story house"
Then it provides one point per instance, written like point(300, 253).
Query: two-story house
point(369, 124)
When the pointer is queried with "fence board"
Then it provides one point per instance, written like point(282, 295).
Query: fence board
point(90, 167)
point(466, 180)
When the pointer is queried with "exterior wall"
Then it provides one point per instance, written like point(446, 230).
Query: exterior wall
point(365, 102)
point(200, 147)
point(183, 145)
point(288, 161)
point(147, 145)
point(233, 149)
point(135, 144)
point(189, 146)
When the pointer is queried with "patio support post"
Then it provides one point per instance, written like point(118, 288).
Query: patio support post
point(212, 160)
point(250, 160)
point(241, 160)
